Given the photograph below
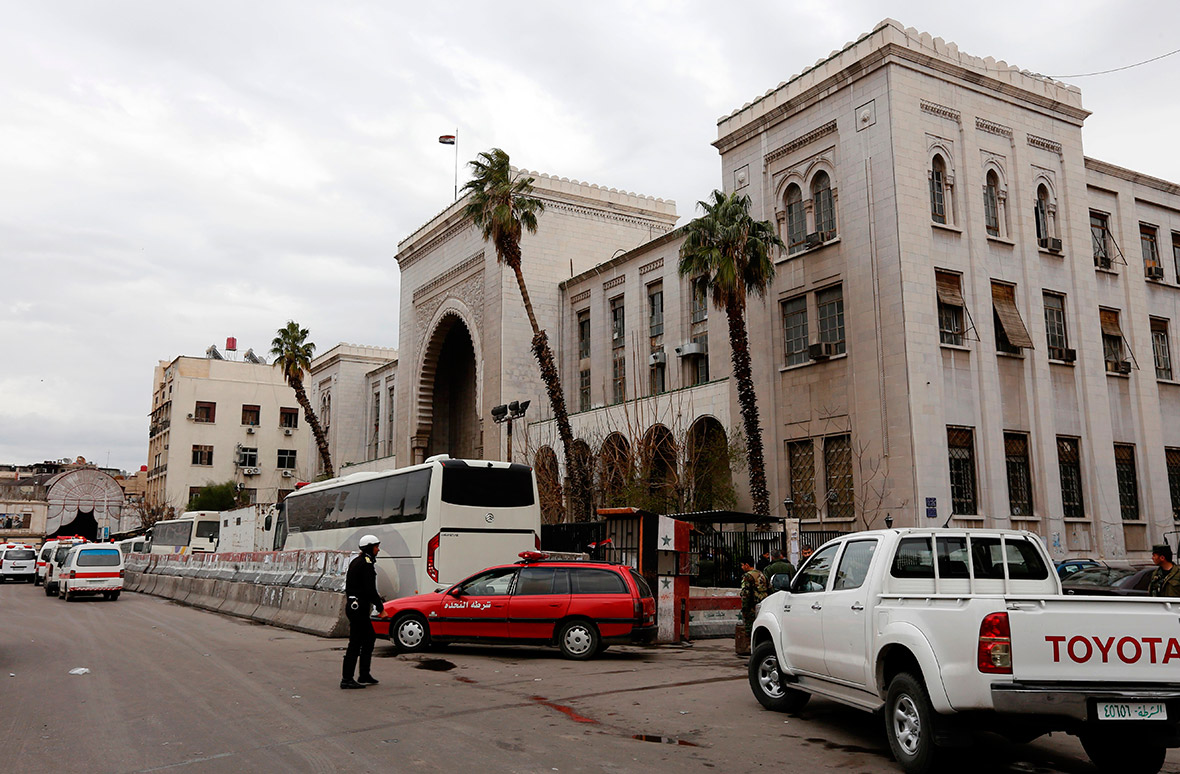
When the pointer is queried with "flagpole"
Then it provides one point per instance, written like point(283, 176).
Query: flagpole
point(456, 163)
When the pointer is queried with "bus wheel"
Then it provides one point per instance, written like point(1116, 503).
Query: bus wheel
point(410, 633)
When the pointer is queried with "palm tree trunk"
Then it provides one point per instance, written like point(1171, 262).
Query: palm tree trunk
point(579, 497)
point(320, 441)
point(748, 401)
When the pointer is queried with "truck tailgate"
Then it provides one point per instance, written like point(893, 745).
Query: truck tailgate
point(1095, 640)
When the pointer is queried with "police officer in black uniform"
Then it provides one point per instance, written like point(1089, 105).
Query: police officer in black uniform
point(360, 590)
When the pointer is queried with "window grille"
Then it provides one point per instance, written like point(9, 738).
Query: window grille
point(1069, 467)
point(1124, 466)
point(1172, 457)
point(795, 330)
point(801, 456)
point(961, 450)
point(838, 477)
point(1020, 493)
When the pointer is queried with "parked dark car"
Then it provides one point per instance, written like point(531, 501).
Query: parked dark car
point(1110, 581)
point(1070, 566)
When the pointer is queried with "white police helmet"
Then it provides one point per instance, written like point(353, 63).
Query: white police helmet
point(369, 540)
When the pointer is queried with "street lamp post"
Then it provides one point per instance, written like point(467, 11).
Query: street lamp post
point(505, 414)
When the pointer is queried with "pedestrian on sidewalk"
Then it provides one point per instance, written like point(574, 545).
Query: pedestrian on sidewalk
point(360, 592)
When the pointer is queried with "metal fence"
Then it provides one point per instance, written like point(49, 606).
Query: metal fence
point(576, 536)
point(814, 538)
point(715, 558)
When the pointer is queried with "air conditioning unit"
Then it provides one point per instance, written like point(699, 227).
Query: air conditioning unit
point(250, 471)
point(288, 474)
point(823, 350)
point(1102, 262)
point(250, 430)
point(692, 349)
point(190, 416)
point(1155, 272)
point(814, 239)
point(1063, 354)
point(1050, 244)
point(286, 431)
point(1124, 367)
point(657, 358)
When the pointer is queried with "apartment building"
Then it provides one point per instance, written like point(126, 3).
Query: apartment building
point(215, 420)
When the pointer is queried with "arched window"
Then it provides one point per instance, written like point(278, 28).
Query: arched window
point(938, 208)
point(796, 220)
point(824, 206)
point(1041, 212)
point(991, 204)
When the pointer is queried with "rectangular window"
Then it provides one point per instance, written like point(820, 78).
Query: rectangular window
point(375, 431)
point(838, 477)
point(251, 415)
point(700, 299)
point(701, 365)
point(1011, 335)
point(937, 196)
point(1069, 467)
point(991, 209)
point(584, 334)
point(1128, 479)
point(1055, 333)
point(1161, 349)
point(801, 457)
point(618, 327)
point(1172, 456)
point(1020, 494)
point(950, 307)
point(202, 455)
point(1100, 237)
point(205, 412)
point(658, 373)
point(390, 416)
point(288, 417)
point(795, 330)
point(1151, 255)
point(618, 377)
point(655, 309)
point(248, 457)
point(1112, 340)
point(796, 222)
point(1176, 254)
point(961, 449)
point(286, 459)
point(584, 390)
point(830, 305)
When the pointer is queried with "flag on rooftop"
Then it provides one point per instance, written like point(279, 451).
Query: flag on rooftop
point(447, 139)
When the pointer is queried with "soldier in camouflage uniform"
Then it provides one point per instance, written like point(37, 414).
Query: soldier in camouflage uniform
point(754, 590)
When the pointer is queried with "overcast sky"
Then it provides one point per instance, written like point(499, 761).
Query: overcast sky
point(173, 173)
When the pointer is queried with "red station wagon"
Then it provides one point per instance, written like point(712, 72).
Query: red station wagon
point(580, 606)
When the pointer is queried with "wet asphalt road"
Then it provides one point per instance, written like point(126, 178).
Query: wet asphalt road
point(176, 689)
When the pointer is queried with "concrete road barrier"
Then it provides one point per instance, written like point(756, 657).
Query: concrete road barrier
point(241, 599)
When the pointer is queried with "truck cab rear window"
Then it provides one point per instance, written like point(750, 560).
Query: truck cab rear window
point(488, 487)
point(1023, 560)
point(913, 559)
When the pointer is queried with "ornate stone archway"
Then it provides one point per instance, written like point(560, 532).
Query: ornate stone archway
point(448, 390)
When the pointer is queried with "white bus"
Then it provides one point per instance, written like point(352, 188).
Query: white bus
point(437, 522)
point(194, 532)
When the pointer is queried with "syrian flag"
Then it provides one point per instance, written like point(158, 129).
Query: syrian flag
point(447, 139)
point(601, 543)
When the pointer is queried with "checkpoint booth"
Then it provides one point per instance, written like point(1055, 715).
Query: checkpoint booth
point(657, 548)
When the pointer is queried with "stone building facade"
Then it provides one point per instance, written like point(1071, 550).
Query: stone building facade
point(353, 389)
point(217, 420)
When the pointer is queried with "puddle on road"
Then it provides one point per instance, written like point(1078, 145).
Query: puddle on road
point(434, 665)
point(664, 740)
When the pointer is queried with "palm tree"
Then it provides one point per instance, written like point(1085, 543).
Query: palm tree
point(292, 353)
point(732, 252)
point(500, 203)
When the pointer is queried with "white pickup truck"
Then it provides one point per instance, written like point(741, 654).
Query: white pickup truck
point(954, 631)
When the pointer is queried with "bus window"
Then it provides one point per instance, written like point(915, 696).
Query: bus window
point(488, 487)
point(417, 491)
point(370, 498)
point(309, 512)
point(395, 497)
point(341, 515)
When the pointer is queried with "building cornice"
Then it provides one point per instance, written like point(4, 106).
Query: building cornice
point(799, 142)
point(474, 262)
point(1122, 173)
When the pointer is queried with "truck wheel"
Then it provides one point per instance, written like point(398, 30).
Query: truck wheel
point(766, 681)
point(578, 640)
point(909, 726)
point(115, 596)
point(48, 589)
point(410, 633)
point(1121, 756)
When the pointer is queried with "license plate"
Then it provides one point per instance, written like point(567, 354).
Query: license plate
point(1132, 710)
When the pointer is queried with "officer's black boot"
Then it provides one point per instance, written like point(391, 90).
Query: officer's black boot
point(346, 680)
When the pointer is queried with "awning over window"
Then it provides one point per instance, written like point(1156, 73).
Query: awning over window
point(1004, 302)
point(1110, 322)
point(948, 288)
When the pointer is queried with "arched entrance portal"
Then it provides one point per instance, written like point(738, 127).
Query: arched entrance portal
point(449, 375)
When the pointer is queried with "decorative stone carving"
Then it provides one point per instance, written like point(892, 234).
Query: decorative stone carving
point(991, 127)
point(614, 283)
point(658, 263)
point(1044, 144)
point(579, 298)
point(799, 142)
point(471, 263)
point(942, 111)
point(470, 292)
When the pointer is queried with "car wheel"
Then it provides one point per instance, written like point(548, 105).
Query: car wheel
point(48, 589)
point(578, 640)
point(766, 681)
point(36, 580)
point(909, 726)
point(411, 633)
point(1111, 754)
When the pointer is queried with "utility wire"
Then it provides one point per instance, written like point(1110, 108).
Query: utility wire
point(1117, 69)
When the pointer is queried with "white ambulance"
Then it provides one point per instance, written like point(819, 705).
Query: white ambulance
point(18, 562)
point(91, 568)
